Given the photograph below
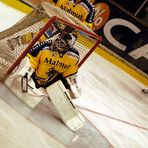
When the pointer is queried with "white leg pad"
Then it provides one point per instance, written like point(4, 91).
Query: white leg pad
point(62, 102)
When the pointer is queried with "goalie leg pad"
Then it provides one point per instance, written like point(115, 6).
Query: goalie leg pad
point(66, 109)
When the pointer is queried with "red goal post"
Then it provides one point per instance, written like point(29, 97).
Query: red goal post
point(14, 45)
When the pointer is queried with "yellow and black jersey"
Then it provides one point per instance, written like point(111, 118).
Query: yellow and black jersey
point(83, 9)
point(48, 63)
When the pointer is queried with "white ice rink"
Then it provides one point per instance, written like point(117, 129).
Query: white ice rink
point(111, 100)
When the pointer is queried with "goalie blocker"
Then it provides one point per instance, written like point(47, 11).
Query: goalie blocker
point(66, 109)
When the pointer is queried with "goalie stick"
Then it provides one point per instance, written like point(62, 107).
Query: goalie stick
point(66, 109)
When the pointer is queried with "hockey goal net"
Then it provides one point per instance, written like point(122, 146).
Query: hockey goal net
point(43, 23)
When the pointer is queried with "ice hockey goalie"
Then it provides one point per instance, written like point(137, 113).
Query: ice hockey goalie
point(54, 60)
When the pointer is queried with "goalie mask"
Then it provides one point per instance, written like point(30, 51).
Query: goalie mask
point(62, 43)
point(68, 29)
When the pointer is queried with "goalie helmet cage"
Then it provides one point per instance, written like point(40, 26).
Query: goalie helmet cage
point(38, 26)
